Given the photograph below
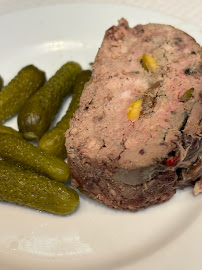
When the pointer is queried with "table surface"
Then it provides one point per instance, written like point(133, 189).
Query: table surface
point(187, 10)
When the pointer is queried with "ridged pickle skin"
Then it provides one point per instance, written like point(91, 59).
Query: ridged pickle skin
point(19, 89)
point(53, 141)
point(24, 154)
point(36, 191)
point(39, 111)
point(1, 83)
point(10, 130)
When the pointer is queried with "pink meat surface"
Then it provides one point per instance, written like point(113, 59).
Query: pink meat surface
point(107, 151)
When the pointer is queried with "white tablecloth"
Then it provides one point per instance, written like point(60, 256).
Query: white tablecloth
point(187, 10)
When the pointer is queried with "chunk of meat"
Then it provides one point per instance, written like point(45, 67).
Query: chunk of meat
point(133, 164)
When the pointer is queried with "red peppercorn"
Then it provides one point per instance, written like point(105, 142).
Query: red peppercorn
point(171, 161)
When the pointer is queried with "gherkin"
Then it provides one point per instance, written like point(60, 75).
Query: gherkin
point(1, 82)
point(9, 130)
point(53, 141)
point(30, 189)
point(37, 114)
point(14, 95)
point(24, 154)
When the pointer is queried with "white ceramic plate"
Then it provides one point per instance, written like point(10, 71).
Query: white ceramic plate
point(95, 237)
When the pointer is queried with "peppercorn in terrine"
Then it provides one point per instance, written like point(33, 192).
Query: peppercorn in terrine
point(136, 137)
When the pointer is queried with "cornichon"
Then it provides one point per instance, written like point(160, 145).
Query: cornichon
point(39, 111)
point(5, 129)
point(1, 82)
point(14, 95)
point(53, 141)
point(24, 154)
point(26, 188)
